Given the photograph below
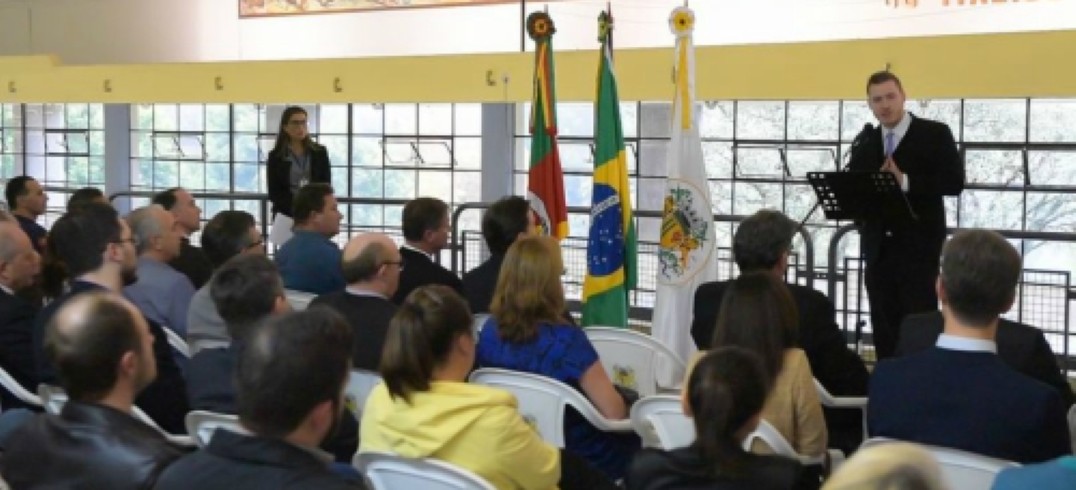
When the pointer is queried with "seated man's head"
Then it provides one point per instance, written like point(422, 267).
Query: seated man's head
point(154, 233)
point(231, 233)
point(85, 196)
point(372, 262)
point(979, 273)
point(102, 348)
point(763, 241)
point(506, 220)
point(25, 196)
point(315, 209)
point(185, 211)
point(94, 240)
point(19, 262)
point(246, 290)
point(425, 224)
point(291, 376)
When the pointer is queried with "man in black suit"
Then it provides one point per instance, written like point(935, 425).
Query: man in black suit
point(1021, 347)
point(507, 219)
point(902, 256)
point(19, 265)
point(426, 229)
point(372, 267)
point(959, 393)
point(763, 242)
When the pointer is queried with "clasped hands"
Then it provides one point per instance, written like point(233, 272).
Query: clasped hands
point(891, 167)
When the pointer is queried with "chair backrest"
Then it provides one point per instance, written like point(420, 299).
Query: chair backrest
point(542, 402)
point(299, 300)
point(177, 342)
point(961, 469)
point(660, 422)
point(828, 400)
point(52, 398)
point(359, 385)
point(479, 322)
point(12, 386)
point(391, 472)
point(631, 358)
point(202, 424)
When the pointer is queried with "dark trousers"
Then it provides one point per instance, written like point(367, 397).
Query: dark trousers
point(898, 284)
point(577, 474)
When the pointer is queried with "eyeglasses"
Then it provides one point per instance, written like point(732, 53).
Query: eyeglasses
point(297, 123)
point(401, 263)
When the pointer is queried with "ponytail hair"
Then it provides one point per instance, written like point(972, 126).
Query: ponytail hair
point(727, 387)
point(420, 338)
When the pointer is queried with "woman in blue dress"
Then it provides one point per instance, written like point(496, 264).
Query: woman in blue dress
point(527, 331)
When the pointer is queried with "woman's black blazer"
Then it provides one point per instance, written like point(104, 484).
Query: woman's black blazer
point(278, 174)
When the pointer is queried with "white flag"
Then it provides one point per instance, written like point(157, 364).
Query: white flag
point(687, 256)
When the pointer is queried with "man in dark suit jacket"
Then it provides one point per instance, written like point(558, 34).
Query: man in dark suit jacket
point(426, 229)
point(372, 267)
point(505, 221)
point(960, 394)
point(902, 256)
point(19, 265)
point(1021, 347)
point(191, 261)
point(763, 242)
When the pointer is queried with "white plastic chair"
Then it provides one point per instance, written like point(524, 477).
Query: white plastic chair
point(177, 342)
point(631, 358)
point(391, 472)
point(11, 386)
point(660, 422)
point(961, 469)
point(202, 424)
point(53, 399)
point(359, 385)
point(768, 434)
point(479, 322)
point(831, 401)
point(542, 402)
point(299, 300)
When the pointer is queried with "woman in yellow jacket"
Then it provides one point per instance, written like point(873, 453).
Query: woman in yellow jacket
point(426, 409)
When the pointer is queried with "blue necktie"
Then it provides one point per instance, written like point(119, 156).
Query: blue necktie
point(889, 143)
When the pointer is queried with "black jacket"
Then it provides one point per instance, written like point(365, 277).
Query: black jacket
point(685, 469)
point(88, 446)
point(479, 283)
point(1021, 347)
point(164, 400)
point(420, 270)
point(929, 158)
point(193, 263)
point(369, 318)
point(16, 345)
point(232, 461)
point(278, 175)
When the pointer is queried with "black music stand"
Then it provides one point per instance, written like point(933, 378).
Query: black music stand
point(861, 196)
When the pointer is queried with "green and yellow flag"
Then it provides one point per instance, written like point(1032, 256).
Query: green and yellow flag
point(612, 245)
point(545, 180)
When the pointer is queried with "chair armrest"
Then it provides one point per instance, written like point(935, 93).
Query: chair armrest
point(846, 402)
point(185, 441)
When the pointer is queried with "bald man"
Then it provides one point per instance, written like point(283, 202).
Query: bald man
point(102, 348)
point(19, 266)
point(371, 264)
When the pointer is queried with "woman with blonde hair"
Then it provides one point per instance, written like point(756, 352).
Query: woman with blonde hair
point(528, 332)
point(888, 466)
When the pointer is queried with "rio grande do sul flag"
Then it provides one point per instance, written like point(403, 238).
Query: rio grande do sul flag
point(545, 179)
point(687, 253)
point(612, 249)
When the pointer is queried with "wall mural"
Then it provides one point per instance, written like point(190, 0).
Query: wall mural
point(269, 8)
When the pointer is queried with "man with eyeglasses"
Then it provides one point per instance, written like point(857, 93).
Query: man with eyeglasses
point(371, 265)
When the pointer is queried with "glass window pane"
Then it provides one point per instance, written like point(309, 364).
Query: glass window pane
point(218, 117)
point(191, 117)
point(573, 119)
point(760, 120)
point(192, 175)
point(992, 209)
point(401, 119)
point(435, 119)
point(245, 147)
point(1051, 212)
point(575, 156)
point(435, 184)
point(653, 156)
point(165, 117)
point(246, 177)
point(366, 183)
point(1005, 167)
point(718, 158)
point(217, 147)
point(1052, 167)
point(813, 120)
point(332, 118)
point(943, 110)
point(248, 119)
point(655, 119)
point(716, 119)
point(811, 159)
point(467, 187)
point(366, 152)
point(366, 215)
point(216, 177)
point(165, 174)
point(400, 184)
point(995, 120)
point(367, 118)
point(577, 190)
point(468, 119)
point(1053, 120)
point(759, 161)
point(468, 153)
point(752, 196)
point(854, 115)
point(629, 119)
point(337, 148)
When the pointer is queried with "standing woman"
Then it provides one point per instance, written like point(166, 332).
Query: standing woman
point(295, 160)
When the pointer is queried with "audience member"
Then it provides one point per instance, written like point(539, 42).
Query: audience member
point(506, 220)
point(85, 196)
point(528, 332)
point(960, 394)
point(758, 314)
point(371, 266)
point(724, 395)
point(103, 350)
point(228, 234)
point(1021, 347)
point(191, 261)
point(19, 266)
point(1057, 474)
point(98, 252)
point(889, 466)
point(310, 261)
point(290, 382)
point(426, 409)
point(426, 230)
point(26, 200)
point(763, 242)
point(162, 293)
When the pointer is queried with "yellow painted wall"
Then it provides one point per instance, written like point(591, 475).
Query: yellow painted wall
point(997, 65)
